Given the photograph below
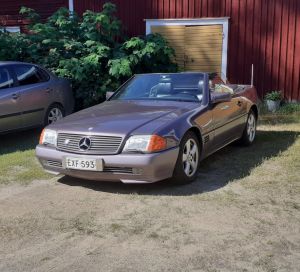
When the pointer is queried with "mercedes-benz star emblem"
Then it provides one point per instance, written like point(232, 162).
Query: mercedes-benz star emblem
point(85, 144)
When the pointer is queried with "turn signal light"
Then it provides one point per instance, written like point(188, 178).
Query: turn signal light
point(156, 143)
point(42, 137)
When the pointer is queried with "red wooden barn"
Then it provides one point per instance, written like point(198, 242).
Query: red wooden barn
point(223, 35)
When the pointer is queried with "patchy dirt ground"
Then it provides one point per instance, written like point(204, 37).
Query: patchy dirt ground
point(242, 214)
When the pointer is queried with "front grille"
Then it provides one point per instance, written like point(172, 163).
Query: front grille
point(120, 170)
point(99, 144)
point(54, 163)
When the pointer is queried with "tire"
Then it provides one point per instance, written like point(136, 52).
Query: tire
point(187, 162)
point(249, 132)
point(54, 113)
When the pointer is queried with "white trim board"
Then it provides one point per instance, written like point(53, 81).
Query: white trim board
point(12, 29)
point(224, 21)
point(71, 6)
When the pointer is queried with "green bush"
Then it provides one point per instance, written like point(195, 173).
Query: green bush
point(274, 96)
point(90, 51)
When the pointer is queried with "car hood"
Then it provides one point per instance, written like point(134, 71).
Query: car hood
point(122, 117)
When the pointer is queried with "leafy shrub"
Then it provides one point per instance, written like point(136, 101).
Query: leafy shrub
point(274, 96)
point(90, 51)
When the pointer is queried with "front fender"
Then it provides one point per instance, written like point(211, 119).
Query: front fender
point(177, 128)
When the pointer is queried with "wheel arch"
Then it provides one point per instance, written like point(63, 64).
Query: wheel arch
point(56, 103)
point(198, 134)
point(254, 108)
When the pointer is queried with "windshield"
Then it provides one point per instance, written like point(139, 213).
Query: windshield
point(176, 87)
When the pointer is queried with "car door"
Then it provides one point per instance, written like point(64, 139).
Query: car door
point(228, 118)
point(10, 110)
point(35, 93)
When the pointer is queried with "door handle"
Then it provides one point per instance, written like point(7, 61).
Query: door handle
point(15, 95)
point(239, 103)
point(48, 90)
point(225, 107)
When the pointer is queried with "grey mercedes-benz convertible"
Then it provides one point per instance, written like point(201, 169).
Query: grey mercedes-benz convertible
point(154, 127)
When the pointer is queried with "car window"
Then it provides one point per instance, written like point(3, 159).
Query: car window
point(6, 81)
point(30, 74)
point(177, 87)
point(43, 74)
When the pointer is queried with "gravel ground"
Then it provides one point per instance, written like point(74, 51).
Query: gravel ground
point(242, 214)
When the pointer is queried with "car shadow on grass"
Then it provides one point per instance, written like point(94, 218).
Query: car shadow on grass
point(227, 165)
point(19, 141)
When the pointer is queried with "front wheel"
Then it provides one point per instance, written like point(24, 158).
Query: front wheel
point(187, 164)
point(249, 133)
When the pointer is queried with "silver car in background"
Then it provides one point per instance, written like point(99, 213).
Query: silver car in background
point(31, 96)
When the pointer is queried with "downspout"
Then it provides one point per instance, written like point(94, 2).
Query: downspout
point(71, 7)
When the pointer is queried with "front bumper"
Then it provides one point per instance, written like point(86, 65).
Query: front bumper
point(127, 168)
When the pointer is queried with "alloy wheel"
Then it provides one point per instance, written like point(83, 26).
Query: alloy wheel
point(54, 115)
point(251, 127)
point(190, 157)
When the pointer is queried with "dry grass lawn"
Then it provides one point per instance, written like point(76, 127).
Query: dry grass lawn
point(242, 214)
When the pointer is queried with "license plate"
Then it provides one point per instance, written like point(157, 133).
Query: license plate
point(83, 164)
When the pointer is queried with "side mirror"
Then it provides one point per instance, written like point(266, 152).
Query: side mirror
point(108, 95)
point(216, 97)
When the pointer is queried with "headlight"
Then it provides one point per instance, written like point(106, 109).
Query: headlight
point(48, 137)
point(145, 143)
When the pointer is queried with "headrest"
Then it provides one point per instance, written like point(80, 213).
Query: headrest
point(201, 86)
point(164, 88)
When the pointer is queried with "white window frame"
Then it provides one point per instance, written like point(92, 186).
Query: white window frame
point(12, 29)
point(224, 21)
point(71, 6)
